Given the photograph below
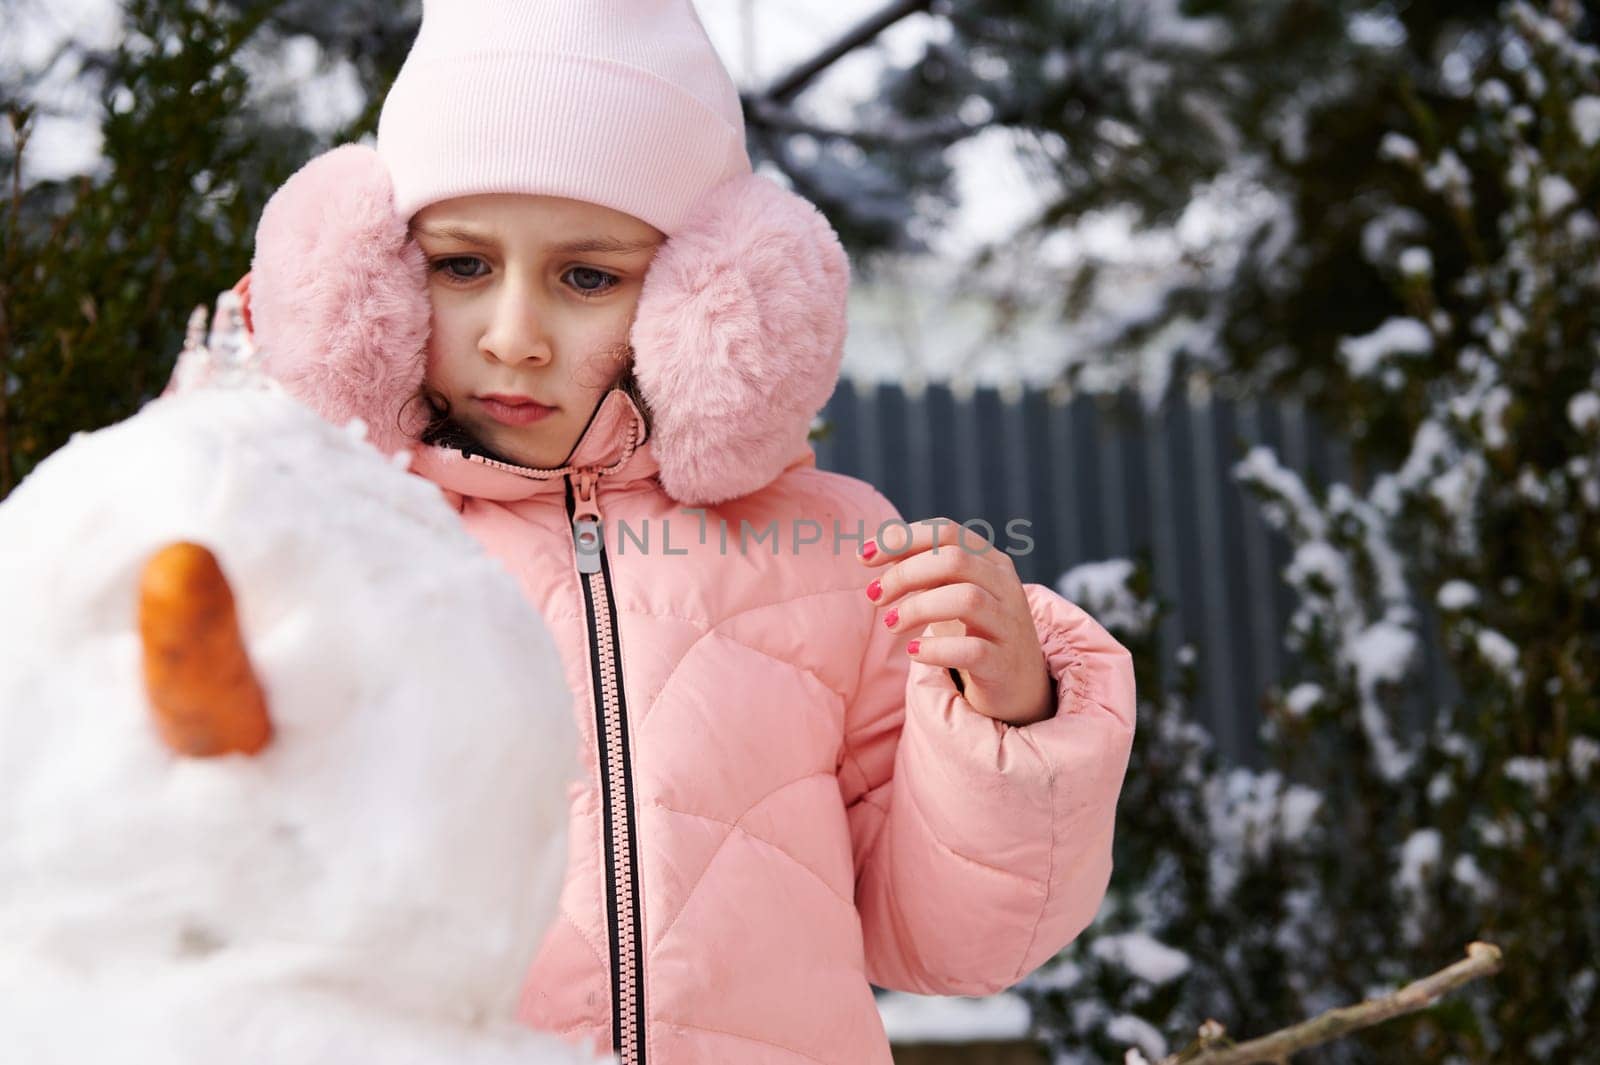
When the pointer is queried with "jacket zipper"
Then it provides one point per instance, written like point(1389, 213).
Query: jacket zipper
point(616, 781)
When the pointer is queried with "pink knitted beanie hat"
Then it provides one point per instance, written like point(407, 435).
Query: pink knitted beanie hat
point(623, 103)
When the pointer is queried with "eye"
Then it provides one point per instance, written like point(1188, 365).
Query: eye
point(448, 268)
point(589, 282)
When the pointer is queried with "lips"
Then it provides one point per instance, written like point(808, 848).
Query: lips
point(514, 410)
point(509, 399)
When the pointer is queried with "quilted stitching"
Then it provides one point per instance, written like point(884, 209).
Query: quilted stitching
point(916, 804)
point(649, 707)
point(661, 937)
point(594, 948)
point(739, 1035)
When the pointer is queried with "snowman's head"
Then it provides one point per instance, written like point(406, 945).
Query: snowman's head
point(401, 832)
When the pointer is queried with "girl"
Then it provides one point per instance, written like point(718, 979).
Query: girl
point(825, 748)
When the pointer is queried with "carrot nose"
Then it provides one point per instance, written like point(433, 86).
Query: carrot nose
point(202, 689)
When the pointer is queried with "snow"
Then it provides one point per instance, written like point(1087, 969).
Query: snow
point(1247, 814)
point(1382, 653)
point(1377, 31)
point(1532, 773)
point(1494, 95)
point(1397, 336)
point(1583, 754)
point(1496, 834)
point(1126, 1028)
point(1398, 148)
point(1103, 589)
point(1318, 561)
point(1059, 974)
point(1531, 487)
point(1376, 651)
point(1586, 120)
point(1381, 554)
point(1416, 263)
point(1299, 810)
point(1466, 871)
point(1457, 487)
point(1500, 653)
point(1543, 1046)
point(1450, 177)
point(910, 1018)
point(1419, 859)
point(1496, 402)
point(1583, 411)
point(1302, 698)
point(1437, 466)
point(1581, 989)
point(1289, 505)
point(373, 884)
point(1457, 595)
point(1556, 194)
point(1587, 475)
point(1388, 231)
point(1143, 956)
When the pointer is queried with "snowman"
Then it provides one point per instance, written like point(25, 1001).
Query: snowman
point(284, 755)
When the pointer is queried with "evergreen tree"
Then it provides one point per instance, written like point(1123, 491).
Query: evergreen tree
point(1369, 852)
point(94, 266)
point(1147, 105)
point(98, 272)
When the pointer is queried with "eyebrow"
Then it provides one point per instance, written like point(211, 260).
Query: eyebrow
point(587, 245)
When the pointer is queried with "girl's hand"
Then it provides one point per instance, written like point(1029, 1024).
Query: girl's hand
point(968, 590)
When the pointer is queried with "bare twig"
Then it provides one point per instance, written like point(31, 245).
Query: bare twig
point(934, 133)
point(1483, 959)
point(770, 109)
point(791, 84)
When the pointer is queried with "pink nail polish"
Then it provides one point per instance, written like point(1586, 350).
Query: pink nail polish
point(874, 590)
point(891, 617)
point(911, 648)
point(869, 549)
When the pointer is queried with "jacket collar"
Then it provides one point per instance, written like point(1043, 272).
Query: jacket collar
point(615, 444)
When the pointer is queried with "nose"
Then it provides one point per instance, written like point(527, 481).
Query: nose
point(516, 332)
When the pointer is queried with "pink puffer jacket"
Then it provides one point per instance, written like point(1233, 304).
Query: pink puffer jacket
point(782, 808)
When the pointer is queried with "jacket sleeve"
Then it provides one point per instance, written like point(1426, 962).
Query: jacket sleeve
point(981, 848)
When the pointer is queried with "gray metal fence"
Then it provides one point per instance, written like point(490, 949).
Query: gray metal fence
point(1099, 476)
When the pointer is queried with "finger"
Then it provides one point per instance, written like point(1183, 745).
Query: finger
point(929, 570)
point(902, 539)
point(972, 605)
point(955, 652)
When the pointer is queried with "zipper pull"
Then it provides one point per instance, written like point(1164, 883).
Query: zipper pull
point(587, 537)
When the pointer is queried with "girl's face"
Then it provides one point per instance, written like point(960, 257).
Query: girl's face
point(533, 298)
